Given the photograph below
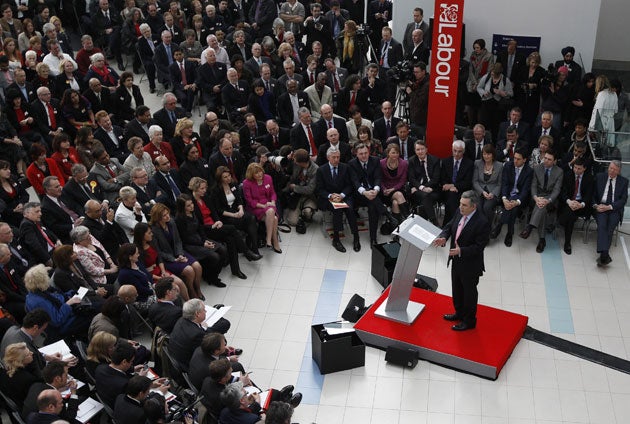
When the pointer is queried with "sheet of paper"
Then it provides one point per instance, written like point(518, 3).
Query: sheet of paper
point(88, 409)
point(213, 315)
point(339, 205)
point(422, 234)
point(265, 399)
point(57, 347)
point(168, 396)
point(82, 292)
point(67, 392)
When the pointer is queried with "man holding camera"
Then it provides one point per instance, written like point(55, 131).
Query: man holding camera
point(301, 202)
point(418, 92)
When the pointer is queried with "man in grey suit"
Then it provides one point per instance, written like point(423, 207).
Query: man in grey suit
point(546, 186)
point(109, 174)
point(418, 23)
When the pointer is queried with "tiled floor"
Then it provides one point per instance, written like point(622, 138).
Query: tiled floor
point(284, 294)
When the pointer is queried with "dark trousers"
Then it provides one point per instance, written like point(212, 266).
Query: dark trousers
point(246, 223)
point(338, 217)
point(465, 295)
point(606, 224)
point(375, 210)
point(185, 98)
point(229, 235)
point(509, 217)
point(568, 217)
point(451, 203)
point(427, 201)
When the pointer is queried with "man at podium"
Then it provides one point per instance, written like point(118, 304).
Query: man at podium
point(469, 232)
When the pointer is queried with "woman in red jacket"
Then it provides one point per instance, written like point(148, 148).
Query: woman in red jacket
point(41, 168)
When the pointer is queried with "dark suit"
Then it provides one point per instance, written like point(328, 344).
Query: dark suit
point(118, 151)
point(471, 149)
point(366, 180)
point(134, 129)
point(55, 218)
point(321, 32)
point(110, 234)
point(419, 53)
point(234, 98)
point(266, 14)
point(380, 128)
point(75, 197)
point(343, 103)
point(326, 185)
point(429, 178)
point(468, 266)
point(122, 98)
point(162, 119)
point(518, 64)
point(536, 132)
point(522, 129)
point(285, 107)
point(408, 40)
point(407, 149)
point(13, 287)
point(344, 149)
point(209, 76)
point(185, 97)
point(249, 139)
point(320, 128)
point(462, 182)
point(105, 102)
point(168, 195)
point(187, 336)
point(40, 115)
point(283, 139)
point(110, 383)
point(508, 156)
point(608, 221)
point(30, 92)
point(70, 405)
point(342, 73)
point(238, 162)
point(146, 57)
point(200, 367)
point(128, 411)
point(165, 315)
point(299, 140)
point(162, 62)
point(521, 192)
point(253, 66)
point(33, 240)
point(145, 195)
point(393, 56)
point(584, 195)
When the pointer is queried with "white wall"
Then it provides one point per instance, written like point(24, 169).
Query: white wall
point(613, 38)
point(561, 23)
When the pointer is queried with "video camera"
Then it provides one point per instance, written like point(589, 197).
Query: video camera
point(280, 161)
point(402, 71)
point(364, 29)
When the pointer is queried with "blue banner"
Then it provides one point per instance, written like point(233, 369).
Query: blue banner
point(526, 44)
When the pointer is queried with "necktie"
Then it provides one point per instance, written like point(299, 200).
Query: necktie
point(545, 132)
point(337, 85)
point(577, 187)
point(460, 227)
point(334, 172)
point(312, 78)
point(51, 116)
point(267, 86)
point(510, 64)
point(388, 129)
point(168, 53)
point(330, 124)
point(15, 253)
point(111, 172)
point(365, 167)
point(609, 196)
point(384, 55)
point(546, 181)
point(423, 173)
point(311, 141)
point(150, 43)
point(172, 115)
point(174, 187)
point(417, 26)
point(275, 141)
point(8, 273)
point(51, 245)
point(231, 166)
point(353, 98)
point(72, 214)
point(455, 170)
point(183, 71)
point(478, 151)
point(403, 149)
point(514, 190)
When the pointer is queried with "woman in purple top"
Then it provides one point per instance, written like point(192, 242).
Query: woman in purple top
point(394, 179)
point(260, 199)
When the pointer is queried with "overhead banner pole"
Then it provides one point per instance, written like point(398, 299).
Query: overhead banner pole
point(444, 75)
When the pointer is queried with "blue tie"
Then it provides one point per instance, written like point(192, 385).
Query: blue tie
point(168, 53)
point(174, 187)
point(455, 170)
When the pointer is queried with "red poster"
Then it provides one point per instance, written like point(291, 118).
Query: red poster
point(445, 54)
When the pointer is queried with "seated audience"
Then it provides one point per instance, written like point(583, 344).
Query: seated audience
point(129, 212)
point(165, 312)
point(38, 241)
point(93, 257)
point(99, 351)
point(260, 200)
point(213, 347)
point(487, 181)
point(16, 374)
point(394, 174)
point(133, 272)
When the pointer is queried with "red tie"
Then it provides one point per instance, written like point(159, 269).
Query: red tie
point(352, 99)
point(275, 141)
point(231, 166)
point(48, 240)
point(337, 87)
point(8, 273)
point(312, 77)
point(51, 116)
point(329, 125)
point(181, 68)
point(311, 141)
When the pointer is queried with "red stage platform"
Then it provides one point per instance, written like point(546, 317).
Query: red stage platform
point(482, 351)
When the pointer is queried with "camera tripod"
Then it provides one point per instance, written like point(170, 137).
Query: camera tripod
point(401, 106)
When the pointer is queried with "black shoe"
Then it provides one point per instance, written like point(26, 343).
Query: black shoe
point(463, 326)
point(526, 232)
point(604, 260)
point(567, 248)
point(337, 245)
point(218, 283)
point(495, 232)
point(121, 66)
point(283, 227)
point(540, 247)
point(356, 244)
point(240, 275)
point(251, 256)
point(218, 306)
point(295, 400)
point(451, 317)
point(373, 243)
point(300, 228)
point(286, 392)
point(508, 239)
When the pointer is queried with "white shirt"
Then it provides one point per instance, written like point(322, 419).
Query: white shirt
point(53, 63)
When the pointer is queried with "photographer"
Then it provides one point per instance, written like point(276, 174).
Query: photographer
point(555, 94)
point(418, 94)
point(299, 194)
point(375, 90)
point(278, 168)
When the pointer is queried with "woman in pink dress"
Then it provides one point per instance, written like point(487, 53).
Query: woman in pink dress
point(260, 199)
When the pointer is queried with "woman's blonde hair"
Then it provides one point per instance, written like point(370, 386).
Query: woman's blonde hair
point(37, 279)
point(195, 183)
point(14, 356)
point(252, 169)
point(182, 124)
point(157, 211)
point(98, 348)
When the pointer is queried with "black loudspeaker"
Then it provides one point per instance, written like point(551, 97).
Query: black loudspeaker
point(355, 309)
point(402, 357)
point(425, 283)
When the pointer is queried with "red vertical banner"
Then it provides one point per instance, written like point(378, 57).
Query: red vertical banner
point(444, 75)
